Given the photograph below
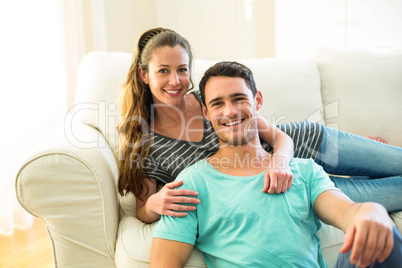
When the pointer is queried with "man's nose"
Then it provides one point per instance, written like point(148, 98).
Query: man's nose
point(230, 109)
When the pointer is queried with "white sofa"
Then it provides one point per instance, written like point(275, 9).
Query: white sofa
point(70, 179)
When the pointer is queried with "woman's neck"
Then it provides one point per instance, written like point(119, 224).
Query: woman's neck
point(166, 115)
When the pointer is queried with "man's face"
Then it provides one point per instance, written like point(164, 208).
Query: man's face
point(231, 108)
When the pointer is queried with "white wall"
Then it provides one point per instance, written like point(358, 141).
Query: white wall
point(302, 26)
point(126, 20)
point(217, 30)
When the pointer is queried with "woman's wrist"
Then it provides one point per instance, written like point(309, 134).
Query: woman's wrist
point(280, 160)
point(147, 213)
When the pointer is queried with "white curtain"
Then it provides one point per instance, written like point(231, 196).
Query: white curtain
point(42, 44)
point(32, 90)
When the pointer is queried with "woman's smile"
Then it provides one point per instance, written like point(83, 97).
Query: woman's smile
point(172, 92)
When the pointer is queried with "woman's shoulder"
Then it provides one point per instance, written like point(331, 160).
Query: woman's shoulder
point(196, 94)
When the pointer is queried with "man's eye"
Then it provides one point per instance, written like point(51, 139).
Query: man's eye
point(216, 104)
point(238, 99)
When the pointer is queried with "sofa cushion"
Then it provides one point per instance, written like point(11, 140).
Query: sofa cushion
point(364, 89)
point(97, 102)
point(133, 246)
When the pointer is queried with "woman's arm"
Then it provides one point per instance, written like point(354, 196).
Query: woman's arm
point(278, 177)
point(165, 202)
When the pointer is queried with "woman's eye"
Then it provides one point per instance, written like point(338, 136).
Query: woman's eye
point(163, 71)
point(183, 70)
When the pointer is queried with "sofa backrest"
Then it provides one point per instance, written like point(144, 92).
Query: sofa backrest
point(362, 91)
point(354, 90)
point(291, 89)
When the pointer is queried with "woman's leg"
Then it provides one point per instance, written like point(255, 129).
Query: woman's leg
point(386, 191)
point(342, 153)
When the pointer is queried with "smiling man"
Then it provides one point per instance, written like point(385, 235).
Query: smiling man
point(236, 225)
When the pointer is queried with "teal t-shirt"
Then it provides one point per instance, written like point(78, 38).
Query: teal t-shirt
point(236, 225)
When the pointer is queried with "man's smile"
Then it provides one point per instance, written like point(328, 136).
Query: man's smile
point(233, 122)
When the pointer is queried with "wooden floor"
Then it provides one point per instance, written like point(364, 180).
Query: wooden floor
point(26, 248)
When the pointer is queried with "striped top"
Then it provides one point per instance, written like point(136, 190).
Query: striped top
point(168, 156)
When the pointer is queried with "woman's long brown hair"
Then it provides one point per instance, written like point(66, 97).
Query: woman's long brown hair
point(134, 143)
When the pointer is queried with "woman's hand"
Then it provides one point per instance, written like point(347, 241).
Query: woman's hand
point(278, 178)
point(169, 201)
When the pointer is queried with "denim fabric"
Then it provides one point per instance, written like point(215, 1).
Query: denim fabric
point(386, 191)
point(342, 153)
point(375, 168)
point(394, 260)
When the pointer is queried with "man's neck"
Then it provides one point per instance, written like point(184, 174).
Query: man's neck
point(245, 160)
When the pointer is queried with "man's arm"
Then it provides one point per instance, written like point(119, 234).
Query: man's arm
point(169, 253)
point(367, 226)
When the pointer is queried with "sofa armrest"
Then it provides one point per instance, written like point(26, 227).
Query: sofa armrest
point(73, 189)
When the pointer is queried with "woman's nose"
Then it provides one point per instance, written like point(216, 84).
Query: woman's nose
point(174, 79)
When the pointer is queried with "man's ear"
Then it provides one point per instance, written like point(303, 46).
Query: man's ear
point(258, 100)
point(205, 112)
point(143, 75)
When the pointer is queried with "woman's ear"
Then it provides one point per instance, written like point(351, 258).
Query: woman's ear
point(143, 75)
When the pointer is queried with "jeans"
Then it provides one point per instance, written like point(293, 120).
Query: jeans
point(393, 260)
point(378, 165)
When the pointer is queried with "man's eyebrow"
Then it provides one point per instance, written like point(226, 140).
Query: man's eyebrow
point(238, 94)
point(234, 95)
point(215, 99)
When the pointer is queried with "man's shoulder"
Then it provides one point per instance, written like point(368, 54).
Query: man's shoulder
point(304, 169)
point(193, 171)
point(301, 162)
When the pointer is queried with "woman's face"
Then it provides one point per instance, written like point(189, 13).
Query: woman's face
point(168, 75)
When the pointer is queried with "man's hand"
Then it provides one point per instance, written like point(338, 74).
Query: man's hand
point(369, 235)
point(278, 178)
point(368, 228)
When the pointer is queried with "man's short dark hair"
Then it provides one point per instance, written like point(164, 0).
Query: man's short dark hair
point(228, 69)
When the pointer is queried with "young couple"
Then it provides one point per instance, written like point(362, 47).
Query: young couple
point(160, 78)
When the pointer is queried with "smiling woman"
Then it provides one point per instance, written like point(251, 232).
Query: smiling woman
point(33, 89)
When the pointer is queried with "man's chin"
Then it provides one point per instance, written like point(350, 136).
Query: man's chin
point(234, 142)
point(236, 139)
